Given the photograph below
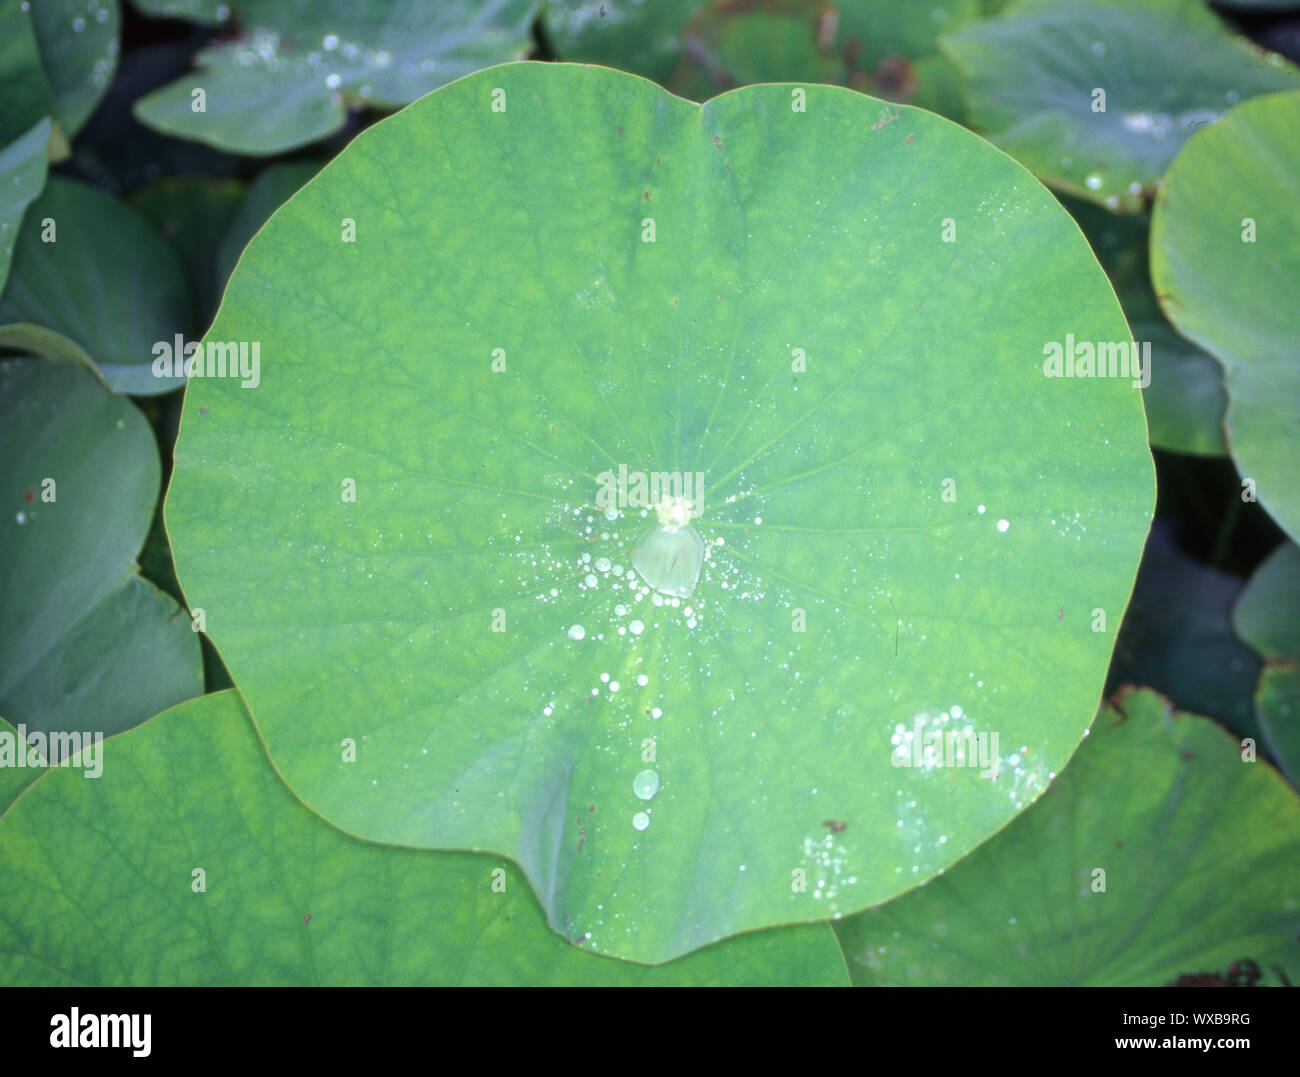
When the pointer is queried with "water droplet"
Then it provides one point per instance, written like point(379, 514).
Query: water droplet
point(646, 784)
point(643, 680)
point(636, 628)
point(1003, 525)
point(577, 632)
point(1092, 181)
point(640, 820)
point(602, 564)
point(669, 559)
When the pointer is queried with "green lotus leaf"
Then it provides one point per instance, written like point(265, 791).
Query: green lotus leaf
point(1265, 617)
point(27, 94)
point(25, 131)
point(1037, 74)
point(1225, 260)
point(78, 48)
point(1185, 399)
point(1157, 854)
point(411, 534)
point(22, 175)
point(87, 645)
point(187, 829)
point(298, 65)
point(98, 273)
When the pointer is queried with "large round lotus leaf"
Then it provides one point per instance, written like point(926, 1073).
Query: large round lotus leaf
point(1157, 854)
point(403, 545)
point(1267, 616)
point(85, 643)
point(297, 66)
point(78, 45)
point(188, 830)
point(93, 278)
point(1225, 259)
point(1166, 67)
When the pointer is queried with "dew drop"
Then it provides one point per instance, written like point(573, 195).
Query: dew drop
point(669, 559)
point(636, 628)
point(577, 632)
point(646, 784)
point(640, 820)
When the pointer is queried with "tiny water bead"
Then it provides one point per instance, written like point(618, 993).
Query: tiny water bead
point(646, 784)
point(640, 820)
point(577, 632)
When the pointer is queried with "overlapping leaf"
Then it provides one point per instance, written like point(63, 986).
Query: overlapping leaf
point(88, 645)
point(298, 65)
point(1225, 260)
point(1157, 854)
point(1079, 92)
point(188, 830)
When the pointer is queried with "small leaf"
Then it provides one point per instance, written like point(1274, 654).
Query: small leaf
point(1157, 854)
point(1225, 261)
point(1265, 617)
point(104, 278)
point(291, 75)
point(87, 643)
point(78, 48)
point(1076, 90)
